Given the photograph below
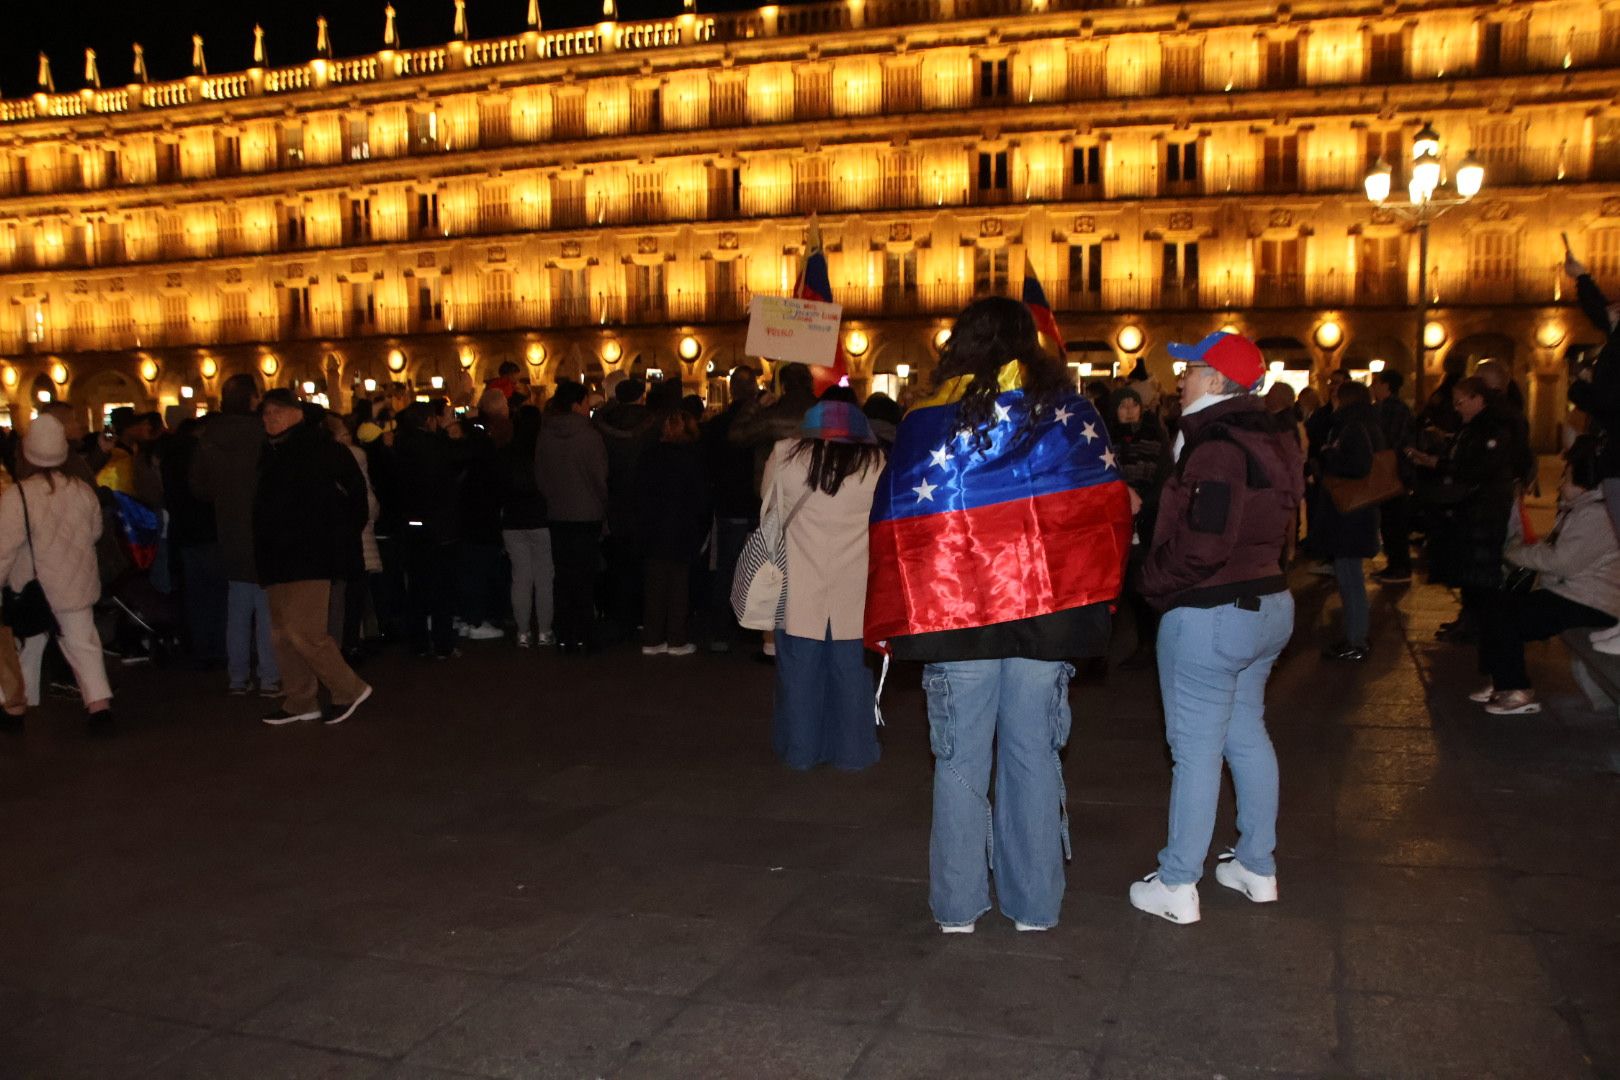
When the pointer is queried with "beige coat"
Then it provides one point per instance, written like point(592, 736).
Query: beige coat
point(826, 548)
point(66, 522)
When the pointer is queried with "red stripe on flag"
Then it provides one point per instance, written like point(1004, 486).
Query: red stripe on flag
point(1015, 560)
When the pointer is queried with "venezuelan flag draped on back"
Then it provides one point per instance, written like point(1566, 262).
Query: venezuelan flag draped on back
point(963, 538)
point(815, 284)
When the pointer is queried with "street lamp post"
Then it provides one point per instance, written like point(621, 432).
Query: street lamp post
point(1427, 199)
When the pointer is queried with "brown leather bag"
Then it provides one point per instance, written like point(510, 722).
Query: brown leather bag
point(1382, 483)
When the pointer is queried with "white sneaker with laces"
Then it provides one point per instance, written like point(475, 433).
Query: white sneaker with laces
point(965, 928)
point(1260, 888)
point(1483, 694)
point(1173, 903)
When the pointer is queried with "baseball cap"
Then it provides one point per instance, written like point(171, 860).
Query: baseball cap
point(1233, 355)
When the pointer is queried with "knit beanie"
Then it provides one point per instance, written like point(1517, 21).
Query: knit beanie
point(45, 446)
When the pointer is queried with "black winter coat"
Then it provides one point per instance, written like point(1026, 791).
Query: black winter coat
point(424, 475)
point(309, 509)
point(672, 502)
point(522, 505)
point(483, 480)
point(1599, 397)
point(1351, 442)
point(1469, 503)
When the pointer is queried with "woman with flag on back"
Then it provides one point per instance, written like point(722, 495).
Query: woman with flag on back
point(999, 537)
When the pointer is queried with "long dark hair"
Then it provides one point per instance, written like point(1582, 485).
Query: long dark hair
point(831, 463)
point(990, 334)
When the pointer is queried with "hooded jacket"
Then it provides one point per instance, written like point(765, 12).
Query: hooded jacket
point(1225, 512)
point(570, 463)
point(224, 472)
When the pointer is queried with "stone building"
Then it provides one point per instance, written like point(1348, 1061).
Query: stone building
point(607, 198)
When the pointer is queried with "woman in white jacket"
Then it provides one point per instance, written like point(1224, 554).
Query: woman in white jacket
point(1577, 585)
point(64, 519)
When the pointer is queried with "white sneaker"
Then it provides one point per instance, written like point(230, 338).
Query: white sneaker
point(1608, 646)
point(523, 641)
point(341, 713)
point(965, 928)
point(483, 632)
point(1175, 903)
point(1025, 928)
point(1260, 888)
point(654, 650)
point(1518, 702)
point(682, 650)
point(1483, 694)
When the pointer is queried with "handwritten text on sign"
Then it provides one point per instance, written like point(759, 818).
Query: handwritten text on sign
point(794, 331)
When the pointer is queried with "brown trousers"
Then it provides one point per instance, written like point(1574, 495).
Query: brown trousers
point(308, 656)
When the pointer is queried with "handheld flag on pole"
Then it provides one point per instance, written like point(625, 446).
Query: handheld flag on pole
point(1035, 300)
point(815, 284)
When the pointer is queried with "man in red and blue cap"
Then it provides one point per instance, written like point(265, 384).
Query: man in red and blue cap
point(1215, 569)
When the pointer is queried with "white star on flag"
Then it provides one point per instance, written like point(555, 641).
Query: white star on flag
point(925, 491)
point(1090, 432)
point(1108, 459)
point(1063, 415)
point(1003, 414)
point(942, 456)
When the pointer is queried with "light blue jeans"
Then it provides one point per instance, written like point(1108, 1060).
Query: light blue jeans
point(1018, 712)
point(1213, 666)
point(247, 631)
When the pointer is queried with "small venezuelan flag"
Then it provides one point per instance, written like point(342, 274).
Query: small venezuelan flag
point(1045, 321)
point(963, 538)
point(815, 284)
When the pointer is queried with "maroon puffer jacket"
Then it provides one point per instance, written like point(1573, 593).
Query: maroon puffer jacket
point(1226, 510)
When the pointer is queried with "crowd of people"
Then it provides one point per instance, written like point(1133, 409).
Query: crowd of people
point(989, 530)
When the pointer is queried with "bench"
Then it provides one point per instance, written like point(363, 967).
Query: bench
point(1598, 676)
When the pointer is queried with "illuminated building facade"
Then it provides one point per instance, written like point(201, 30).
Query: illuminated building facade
point(608, 198)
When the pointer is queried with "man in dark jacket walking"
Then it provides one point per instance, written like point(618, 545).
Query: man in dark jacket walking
point(309, 508)
point(1399, 427)
point(1214, 570)
point(225, 472)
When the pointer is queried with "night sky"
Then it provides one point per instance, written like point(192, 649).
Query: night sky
point(64, 28)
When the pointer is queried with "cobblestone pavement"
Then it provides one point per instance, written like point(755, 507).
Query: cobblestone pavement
point(519, 865)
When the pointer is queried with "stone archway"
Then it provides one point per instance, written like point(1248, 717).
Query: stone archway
point(105, 390)
point(1475, 349)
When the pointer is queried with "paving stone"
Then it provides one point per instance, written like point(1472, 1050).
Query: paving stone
point(913, 1055)
point(533, 1030)
point(1397, 1037)
point(69, 1041)
point(1569, 905)
point(658, 954)
point(1279, 949)
point(1421, 894)
point(824, 973)
point(861, 906)
point(370, 1006)
point(1585, 972)
point(266, 1059)
point(1443, 960)
point(739, 1042)
point(1184, 1022)
point(491, 934)
point(1016, 997)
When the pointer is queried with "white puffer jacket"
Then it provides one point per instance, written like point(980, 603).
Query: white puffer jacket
point(66, 522)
